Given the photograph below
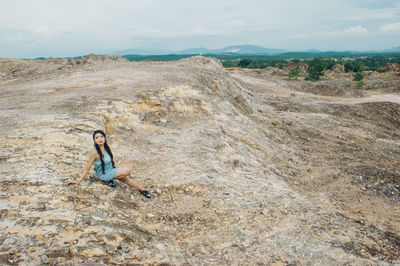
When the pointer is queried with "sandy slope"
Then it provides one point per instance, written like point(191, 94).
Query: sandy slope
point(243, 170)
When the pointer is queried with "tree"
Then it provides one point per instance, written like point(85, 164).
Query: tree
point(330, 63)
point(294, 73)
point(348, 67)
point(315, 68)
point(229, 63)
point(358, 76)
point(246, 62)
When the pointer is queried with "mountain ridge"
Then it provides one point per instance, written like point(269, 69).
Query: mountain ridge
point(237, 49)
point(242, 49)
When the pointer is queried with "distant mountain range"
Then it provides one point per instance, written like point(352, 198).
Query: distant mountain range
point(142, 52)
point(240, 49)
point(394, 49)
point(234, 49)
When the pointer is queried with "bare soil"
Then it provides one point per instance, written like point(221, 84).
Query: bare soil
point(245, 167)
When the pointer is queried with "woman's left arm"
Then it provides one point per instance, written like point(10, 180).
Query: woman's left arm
point(92, 157)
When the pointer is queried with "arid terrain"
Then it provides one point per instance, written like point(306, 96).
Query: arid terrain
point(246, 166)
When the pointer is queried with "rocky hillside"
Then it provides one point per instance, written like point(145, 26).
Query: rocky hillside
point(245, 167)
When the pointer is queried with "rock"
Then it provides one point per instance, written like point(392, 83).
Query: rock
point(160, 246)
point(142, 116)
point(130, 256)
point(278, 264)
point(338, 69)
point(92, 252)
point(41, 206)
point(87, 220)
point(236, 163)
point(109, 249)
point(302, 67)
point(44, 259)
point(73, 251)
point(392, 67)
point(12, 252)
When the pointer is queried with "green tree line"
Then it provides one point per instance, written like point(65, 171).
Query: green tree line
point(351, 62)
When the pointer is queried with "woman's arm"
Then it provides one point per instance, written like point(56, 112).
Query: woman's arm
point(92, 157)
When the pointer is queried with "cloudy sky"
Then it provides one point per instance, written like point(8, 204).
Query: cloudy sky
point(76, 27)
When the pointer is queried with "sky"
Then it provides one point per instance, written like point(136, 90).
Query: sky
point(60, 28)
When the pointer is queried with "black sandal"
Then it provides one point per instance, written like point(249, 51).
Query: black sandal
point(146, 194)
point(109, 183)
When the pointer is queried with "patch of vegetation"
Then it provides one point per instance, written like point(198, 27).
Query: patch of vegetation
point(360, 84)
point(358, 76)
point(315, 68)
point(294, 73)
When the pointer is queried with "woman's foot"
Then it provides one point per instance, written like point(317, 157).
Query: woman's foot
point(146, 194)
point(109, 183)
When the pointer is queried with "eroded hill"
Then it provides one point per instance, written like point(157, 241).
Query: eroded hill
point(245, 168)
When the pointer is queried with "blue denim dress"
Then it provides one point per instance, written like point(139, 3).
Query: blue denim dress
point(109, 172)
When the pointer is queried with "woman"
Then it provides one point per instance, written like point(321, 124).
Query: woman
point(104, 166)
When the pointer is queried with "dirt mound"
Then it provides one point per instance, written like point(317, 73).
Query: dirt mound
point(302, 67)
point(11, 69)
point(98, 59)
point(392, 67)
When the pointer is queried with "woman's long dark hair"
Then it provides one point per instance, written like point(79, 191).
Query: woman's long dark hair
point(106, 147)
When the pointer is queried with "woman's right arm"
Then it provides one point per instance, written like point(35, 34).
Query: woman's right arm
point(92, 157)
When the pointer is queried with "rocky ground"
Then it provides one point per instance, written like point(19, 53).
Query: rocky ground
point(246, 167)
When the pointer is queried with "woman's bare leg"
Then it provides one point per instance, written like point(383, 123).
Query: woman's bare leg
point(130, 182)
point(123, 174)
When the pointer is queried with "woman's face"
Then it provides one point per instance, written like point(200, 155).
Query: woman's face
point(99, 139)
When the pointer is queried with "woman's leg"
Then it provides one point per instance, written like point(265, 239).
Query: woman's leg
point(123, 174)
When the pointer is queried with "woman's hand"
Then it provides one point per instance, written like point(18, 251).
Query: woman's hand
point(71, 182)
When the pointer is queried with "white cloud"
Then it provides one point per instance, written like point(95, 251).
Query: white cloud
point(44, 30)
point(361, 14)
point(356, 31)
point(394, 27)
point(148, 32)
point(11, 38)
point(35, 34)
point(203, 31)
point(298, 36)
